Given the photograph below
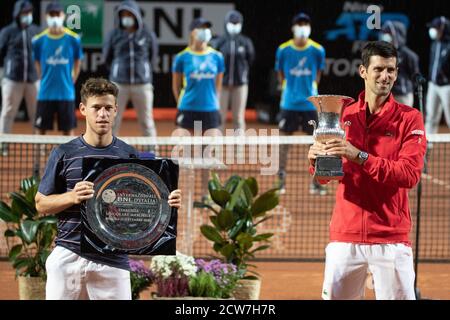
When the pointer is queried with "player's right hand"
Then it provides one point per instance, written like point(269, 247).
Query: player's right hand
point(82, 191)
point(318, 148)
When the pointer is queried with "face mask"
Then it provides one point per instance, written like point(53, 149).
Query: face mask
point(302, 31)
point(204, 35)
point(386, 37)
point(234, 28)
point(127, 22)
point(26, 19)
point(433, 33)
point(55, 22)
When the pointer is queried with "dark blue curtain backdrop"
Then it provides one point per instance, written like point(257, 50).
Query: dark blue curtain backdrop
point(340, 26)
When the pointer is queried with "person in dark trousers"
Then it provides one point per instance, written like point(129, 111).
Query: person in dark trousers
point(130, 52)
point(299, 63)
point(239, 54)
point(408, 61)
point(20, 78)
point(438, 95)
point(72, 274)
point(57, 54)
point(383, 157)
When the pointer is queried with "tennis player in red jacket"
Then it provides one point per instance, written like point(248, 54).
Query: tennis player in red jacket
point(383, 158)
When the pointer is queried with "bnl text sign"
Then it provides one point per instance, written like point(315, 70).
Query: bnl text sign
point(93, 19)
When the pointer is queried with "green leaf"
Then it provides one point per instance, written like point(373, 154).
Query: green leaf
point(48, 232)
point(265, 202)
point(235, 196)
point(29, 230)
point(214, 183)
point(9, 233)
point(27, 183)
point(228, 251)
point(43, 257)
point(263, 219)
point(14, 252)
point(247, 195)
point(262, 236)
point(202, 205)
point(253, 185)
point(236, 229)
point(211, 233)
point(23, 205)
point(217, 247)
point(6, 213)
point(260, 248)
point(213, 219)
point(244, 240)
point(225, 219)
point(48, 219)
point(232, 183)
point(20, 263)
point(220, 197)
point(30, 194)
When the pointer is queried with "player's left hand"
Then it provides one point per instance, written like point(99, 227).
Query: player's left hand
point(342, 148)
point(175, 199)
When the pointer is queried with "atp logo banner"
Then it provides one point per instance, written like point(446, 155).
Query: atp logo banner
point(362, 22)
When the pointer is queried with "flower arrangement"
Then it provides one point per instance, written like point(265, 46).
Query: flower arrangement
point(172, 274)
point(141, 277)
point(222, 278)
point(181, 276)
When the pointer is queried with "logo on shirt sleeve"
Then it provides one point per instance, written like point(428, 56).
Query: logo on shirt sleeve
point(418, 132)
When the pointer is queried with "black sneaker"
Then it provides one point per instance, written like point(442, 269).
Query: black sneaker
point(317, 188)
point(4, 149)
point(281, 183)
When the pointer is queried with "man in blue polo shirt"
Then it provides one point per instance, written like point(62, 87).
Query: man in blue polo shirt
point(72, 274)
point(299, 63)
point(57, 54)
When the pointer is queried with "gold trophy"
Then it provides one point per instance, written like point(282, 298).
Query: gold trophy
point(329, 108)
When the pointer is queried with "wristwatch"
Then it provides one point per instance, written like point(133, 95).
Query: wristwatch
point(363, 156)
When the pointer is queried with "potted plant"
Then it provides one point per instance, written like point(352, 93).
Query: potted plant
point(141, 278)
point(172, 274)
point(35, 235)
point(237, 211)
point(183, 277)
point(214, 279)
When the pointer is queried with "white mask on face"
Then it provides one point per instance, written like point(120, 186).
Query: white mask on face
point(127, 22)
point(433, 33)
point(26, 19)
point(302, 31)
point(234, 28)
point(55, 22)
point(204, 35)
point(386, 37)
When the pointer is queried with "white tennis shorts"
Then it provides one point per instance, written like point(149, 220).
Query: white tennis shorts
point(347, 265)
point(71, 277)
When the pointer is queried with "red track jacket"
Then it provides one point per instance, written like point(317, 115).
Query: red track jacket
point(372, 199)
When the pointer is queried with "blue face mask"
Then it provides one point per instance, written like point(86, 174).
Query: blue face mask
point(127, 22)
point(386, 37)
point(26, 19)
point(204, 35)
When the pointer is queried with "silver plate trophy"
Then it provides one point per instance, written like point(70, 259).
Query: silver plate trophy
point(329, 109)
point(129, 209)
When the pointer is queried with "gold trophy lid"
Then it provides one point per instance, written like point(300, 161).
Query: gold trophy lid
point(330, 103)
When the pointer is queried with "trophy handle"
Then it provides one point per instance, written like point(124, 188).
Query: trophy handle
point(313, 123)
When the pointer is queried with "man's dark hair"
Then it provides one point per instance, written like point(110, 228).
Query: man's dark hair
point(377, 48)
point(96, 87)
